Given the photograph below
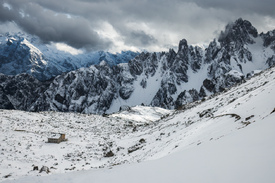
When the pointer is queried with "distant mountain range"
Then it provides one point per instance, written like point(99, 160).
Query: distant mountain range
point(166, 79)
point(23, 53)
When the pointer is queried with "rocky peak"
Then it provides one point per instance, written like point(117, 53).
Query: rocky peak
point(269, 38)
point(241, 31)
point(183, 45)
point(196, 54)
point(212, 51)
point(170, 57)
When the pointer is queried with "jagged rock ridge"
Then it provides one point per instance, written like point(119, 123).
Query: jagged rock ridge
point(166, 79)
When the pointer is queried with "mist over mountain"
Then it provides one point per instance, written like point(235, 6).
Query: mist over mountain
point(24, 53)
point(165, 79)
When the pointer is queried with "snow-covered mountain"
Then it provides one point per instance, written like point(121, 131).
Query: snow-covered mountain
point(227, 137)
point(167, 79)
point(23, 53)
point(164, 79)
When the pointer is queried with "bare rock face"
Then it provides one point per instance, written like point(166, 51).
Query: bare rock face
point(20, 91)
point(35, 168)
point(269, 39)
point(44, 169)
point(5, 103)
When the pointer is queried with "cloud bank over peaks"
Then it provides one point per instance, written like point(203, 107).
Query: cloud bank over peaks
point(115, 25)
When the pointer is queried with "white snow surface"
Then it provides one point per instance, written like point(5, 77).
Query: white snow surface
point(228, 137)
point(139, 114)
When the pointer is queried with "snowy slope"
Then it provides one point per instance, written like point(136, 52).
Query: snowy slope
point(225, 138)
point(245, 156)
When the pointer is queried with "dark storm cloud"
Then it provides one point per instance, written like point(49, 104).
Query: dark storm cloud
point(49, 20)
point(52, 26)
point(264, 7)
point(140, 24)
point(140, 38)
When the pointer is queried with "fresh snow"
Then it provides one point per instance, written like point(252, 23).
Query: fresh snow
point(259, 56)
point(140, 114)
point(245, 156)
point(195, 79)
point(228, 137)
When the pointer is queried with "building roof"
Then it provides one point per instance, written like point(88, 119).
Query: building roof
point(54, 135)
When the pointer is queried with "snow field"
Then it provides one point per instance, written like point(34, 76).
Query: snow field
point(226, 138)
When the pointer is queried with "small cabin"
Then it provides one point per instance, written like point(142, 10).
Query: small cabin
point(57, 138)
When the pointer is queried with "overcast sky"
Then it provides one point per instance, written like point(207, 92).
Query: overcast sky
point(115, 25)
